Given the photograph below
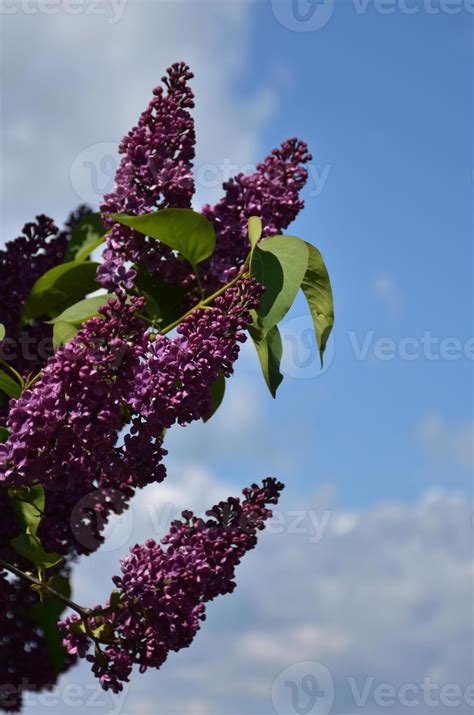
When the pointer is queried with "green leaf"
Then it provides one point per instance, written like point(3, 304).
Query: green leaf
point(165, 301)
point(60, 287)
point(28, 505)
point(62, 333)
point(255, 230)
point(217, 394)
point(269, 349)
point(47, 614)
point(31, 548)
point(83, 310)
point(86, 236)
point(280, 264)
point(2, 331)
point(9, 385)
point(316, 287)
point(184, 230)
point(4, 434)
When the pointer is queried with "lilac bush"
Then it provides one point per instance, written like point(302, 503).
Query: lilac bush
point(82, 427)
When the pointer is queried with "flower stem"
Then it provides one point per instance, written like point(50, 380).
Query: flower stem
point(203, 303)
point(83, 612)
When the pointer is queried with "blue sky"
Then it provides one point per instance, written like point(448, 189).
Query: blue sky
point(382, 446)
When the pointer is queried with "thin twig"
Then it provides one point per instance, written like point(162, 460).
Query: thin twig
point(83, 612)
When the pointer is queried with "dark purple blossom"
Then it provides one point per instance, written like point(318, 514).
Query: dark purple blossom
point(174, 383)
point(155, 172)
point(162, 593)
point(65, 429)
point(23, 260)
point(272, 193)
point(114, 273)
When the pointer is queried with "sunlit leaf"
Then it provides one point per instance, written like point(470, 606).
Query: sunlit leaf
point(31, 548)
point(186, 231)
point(317, 289)
point(269, 349)
point(59, 288)
point(279, 263)
point(28, 505)
point(83, 310)
point(62, 333)
point(9, 386)
point(255, 230)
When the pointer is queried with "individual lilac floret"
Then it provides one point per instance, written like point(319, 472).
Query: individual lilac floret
point(162, 593)
point(114, 273)
point(155, 172)
point(272, 193)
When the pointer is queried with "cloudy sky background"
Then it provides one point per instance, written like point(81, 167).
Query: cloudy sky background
point(365, 577)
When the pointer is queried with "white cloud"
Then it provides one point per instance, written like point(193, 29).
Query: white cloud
point(81, 82)
point(446, 441)
point(386, 594)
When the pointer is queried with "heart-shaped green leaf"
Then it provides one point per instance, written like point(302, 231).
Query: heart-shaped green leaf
point(60, 287)
point(186, 231)
point(62, 333)
point(31, 548)
point(28, 505)
point(83, 310)
point(279, 263)
point(2, 331)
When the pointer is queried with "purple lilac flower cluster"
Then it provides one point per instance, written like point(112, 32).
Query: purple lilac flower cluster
point(40, 247)
point(64, 430)
point(174, 385)
point(272, 193)
point(155, 173)
point(161, 594)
